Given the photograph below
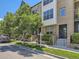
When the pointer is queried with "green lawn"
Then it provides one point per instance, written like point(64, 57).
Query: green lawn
point(70, 55)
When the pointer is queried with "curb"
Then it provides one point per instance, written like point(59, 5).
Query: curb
point(60, 57)
point(42, 52)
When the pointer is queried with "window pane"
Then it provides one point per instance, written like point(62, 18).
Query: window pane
point(48, 14)
point(50, 0)
point(47, 1)
point(44, 15)
point(51, 13)
point(78, 27)
point(44, 2)
point(62, 11)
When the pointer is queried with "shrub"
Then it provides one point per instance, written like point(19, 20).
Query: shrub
point(47, 38)
point(76, 47)
point(19, 43)
point(28, 36)
point(75, 38)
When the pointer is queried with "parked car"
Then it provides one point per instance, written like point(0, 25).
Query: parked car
point(4, 38)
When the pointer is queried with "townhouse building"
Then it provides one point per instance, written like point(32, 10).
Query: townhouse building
point(37, 8)
point(60, 18)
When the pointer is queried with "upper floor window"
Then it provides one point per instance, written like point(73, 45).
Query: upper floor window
point(35, 11)
point(45, 2)
point(48, 14)
point(63, 11)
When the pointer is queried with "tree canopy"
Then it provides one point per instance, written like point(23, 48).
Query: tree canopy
point(23, 21)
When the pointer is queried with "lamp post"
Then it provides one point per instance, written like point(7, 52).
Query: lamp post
point(40, 35)
point(40, 39)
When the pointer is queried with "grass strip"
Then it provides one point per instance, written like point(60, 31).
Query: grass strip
point(67, 54)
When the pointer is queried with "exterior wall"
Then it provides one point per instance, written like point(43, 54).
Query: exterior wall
point(37, 8)
point(68, 19)
point(52, 28)
point(51, 5)
point(60, 20)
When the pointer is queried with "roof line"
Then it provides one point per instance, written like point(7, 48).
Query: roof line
point(36, 4)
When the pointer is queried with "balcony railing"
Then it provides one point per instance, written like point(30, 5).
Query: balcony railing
point(76, 14)
point(76, 17)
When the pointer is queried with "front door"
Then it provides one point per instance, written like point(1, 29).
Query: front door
point(63, 31)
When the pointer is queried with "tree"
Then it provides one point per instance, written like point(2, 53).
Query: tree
point(22, 18)
point(36, 22)
point(22, 22)
point(8, 23)
point(24, 9)
point(1, 26)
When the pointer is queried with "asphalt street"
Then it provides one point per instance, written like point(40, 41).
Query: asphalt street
point(8, 51)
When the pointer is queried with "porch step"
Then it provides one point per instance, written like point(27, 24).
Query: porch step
point(61, 43)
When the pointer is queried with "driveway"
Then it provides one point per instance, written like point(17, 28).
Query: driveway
point(14, 52)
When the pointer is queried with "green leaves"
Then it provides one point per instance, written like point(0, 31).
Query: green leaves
point(8, 23)
point(24, 9)
point(75, 38)
point(23, 21)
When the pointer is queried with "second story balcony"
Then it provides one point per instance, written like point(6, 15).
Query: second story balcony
point(76, 17)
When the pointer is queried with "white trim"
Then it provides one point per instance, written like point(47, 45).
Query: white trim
point(49, 6)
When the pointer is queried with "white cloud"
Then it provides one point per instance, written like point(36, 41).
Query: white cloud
point(1, 18)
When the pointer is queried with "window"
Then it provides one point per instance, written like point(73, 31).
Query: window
point(50, 1)
point(45, 2)
point(45, 15)
point(48, 14)
point(63, 11)
point(78, 27)
point(34, 11)
point(51, 13)
point(49, 32)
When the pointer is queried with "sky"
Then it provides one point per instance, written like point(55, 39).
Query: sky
point(13, 5)
point(1, 18)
